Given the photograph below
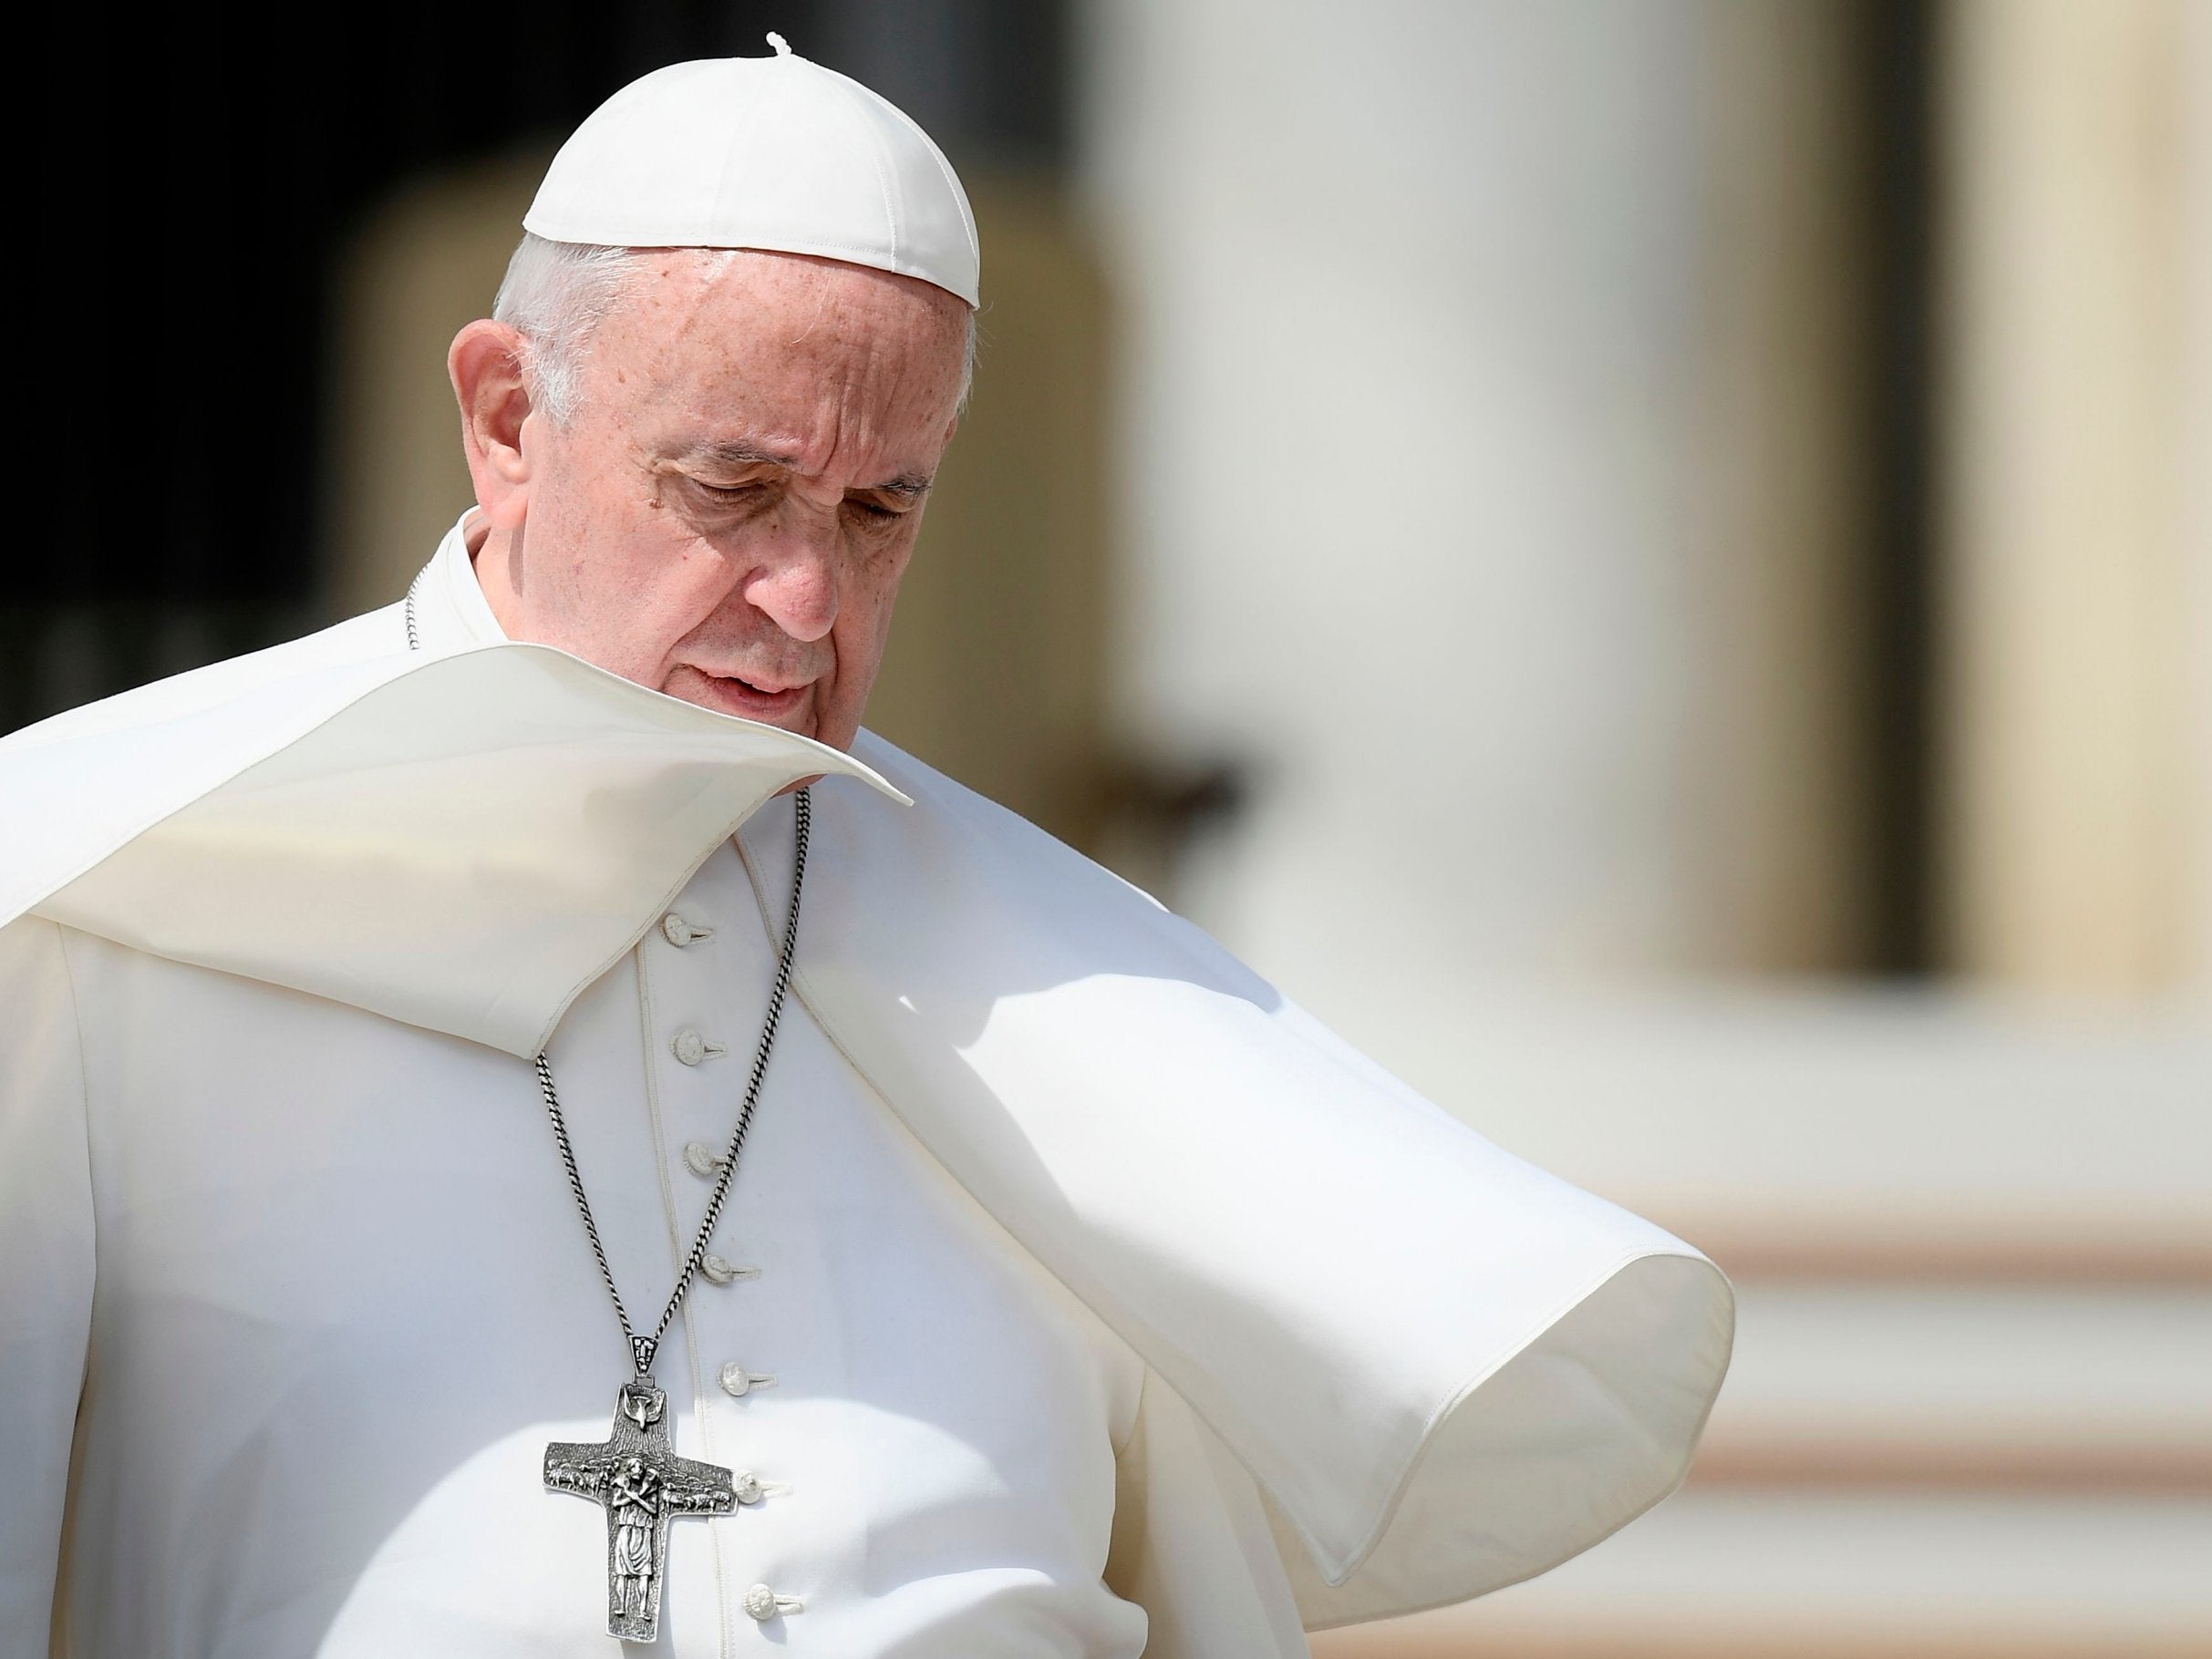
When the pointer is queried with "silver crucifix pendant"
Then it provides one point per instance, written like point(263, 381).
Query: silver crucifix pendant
point(641, 1483)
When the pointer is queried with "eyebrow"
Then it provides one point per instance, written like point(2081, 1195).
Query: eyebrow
point(911, 486)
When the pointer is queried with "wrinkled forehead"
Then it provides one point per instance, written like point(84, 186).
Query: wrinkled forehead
point(710, 305)
point(835, 367)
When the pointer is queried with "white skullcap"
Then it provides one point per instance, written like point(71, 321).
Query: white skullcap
point(763, 152)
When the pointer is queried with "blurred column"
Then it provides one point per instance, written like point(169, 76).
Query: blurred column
point(2078, 839)
point(1491, 434)
point(1411, 311)
point(1785, 788)
point(2196, 472)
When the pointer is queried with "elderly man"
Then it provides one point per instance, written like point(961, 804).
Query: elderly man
point(519, 1121)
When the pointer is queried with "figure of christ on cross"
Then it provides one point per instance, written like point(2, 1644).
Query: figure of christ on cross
point(634, 1476)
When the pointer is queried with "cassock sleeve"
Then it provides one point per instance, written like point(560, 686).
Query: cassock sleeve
point(1192, 1542)
point(46, 1268)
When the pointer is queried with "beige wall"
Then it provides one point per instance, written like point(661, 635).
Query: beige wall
point(427, 263)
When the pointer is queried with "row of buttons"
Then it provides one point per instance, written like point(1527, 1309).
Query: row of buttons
point(690, 1048)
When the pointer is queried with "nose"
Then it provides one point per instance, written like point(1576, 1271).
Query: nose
point(794, 581)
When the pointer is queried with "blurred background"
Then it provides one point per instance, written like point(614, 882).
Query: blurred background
point(1650, 560)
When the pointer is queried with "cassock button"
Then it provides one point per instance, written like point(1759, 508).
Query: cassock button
point(738, 1382)
point(703, 1159)
point(764, 1604)
point(691, 1049)
point(721, 1270)
point(746, 1486)
point(681, 932)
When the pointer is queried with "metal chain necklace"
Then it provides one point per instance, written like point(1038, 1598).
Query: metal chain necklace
point(642, 1348)
point(634, 1474)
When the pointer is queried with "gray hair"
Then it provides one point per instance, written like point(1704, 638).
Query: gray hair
point(556, 293)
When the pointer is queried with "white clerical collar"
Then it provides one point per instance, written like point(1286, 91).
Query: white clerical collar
point(451, 612)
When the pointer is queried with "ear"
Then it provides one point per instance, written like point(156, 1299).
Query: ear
point(486, 367)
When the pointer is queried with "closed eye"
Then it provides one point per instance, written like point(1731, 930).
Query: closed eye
point(725, 492)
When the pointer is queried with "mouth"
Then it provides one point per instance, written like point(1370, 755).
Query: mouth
point(768, 703)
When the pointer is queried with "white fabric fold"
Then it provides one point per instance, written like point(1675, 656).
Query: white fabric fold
point(461, 842)
point(1445, 1369)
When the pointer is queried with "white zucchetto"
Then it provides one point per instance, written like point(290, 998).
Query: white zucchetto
point(763, 152)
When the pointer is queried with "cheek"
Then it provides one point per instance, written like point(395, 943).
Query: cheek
point(875, 586)
point(864, 612)
point(677, 583)
point(643, 583)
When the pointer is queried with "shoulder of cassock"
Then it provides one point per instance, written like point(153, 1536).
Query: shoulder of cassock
point(1445, 1370)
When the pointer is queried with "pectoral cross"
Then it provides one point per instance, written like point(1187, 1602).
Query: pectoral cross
point(641, 1483)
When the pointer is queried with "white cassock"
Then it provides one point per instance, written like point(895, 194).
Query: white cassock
point(1110, 1305)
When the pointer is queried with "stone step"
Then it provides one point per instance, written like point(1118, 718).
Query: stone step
point(1756, 1575)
